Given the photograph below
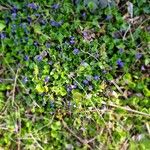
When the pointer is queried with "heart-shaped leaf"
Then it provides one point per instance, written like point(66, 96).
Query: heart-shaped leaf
point(2, 26)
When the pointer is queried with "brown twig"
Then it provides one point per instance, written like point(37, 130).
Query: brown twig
point(83, 141)
point(127, 109)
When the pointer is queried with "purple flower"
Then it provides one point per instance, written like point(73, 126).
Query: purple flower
point(36, 43)
point(120, 63)
point(14, 9)
point(138, 56)
point(143, 68)
point(85, 34)
point(121, 50)
point(14, 15)
point(71, 41)
point(2, 36)
point(26, 58)
point(47, 79)
point(55, 6)
point(29, 19)
point(50, 62)
point(84, 14)
point(116, 35)
point(55, 24)
point(108, 17)
point(96, 77)
point(43, 22)
point(75, 51)
point(37, 15)
point(104, 71)
point(38, 58)
point(25, 79)
point(32, 6)
point(71, 87)
point(48, 45)
point(86, 82)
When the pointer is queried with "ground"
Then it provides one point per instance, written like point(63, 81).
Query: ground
point(74, 75)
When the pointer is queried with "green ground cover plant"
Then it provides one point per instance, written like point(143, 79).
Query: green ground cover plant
point(74, 75)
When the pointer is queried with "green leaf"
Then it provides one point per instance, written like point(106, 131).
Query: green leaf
point(37, 29)
point(39, 88)
point(62, 91)
point(2, 26)
point(76, 95)
point(146, 91)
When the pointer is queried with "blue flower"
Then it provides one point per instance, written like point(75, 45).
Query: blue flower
point(50, 62)
point(47, 79)
point(36, 43)
point(29, 19)
point(38, 58)
point(143, 68)
point(121, 50)
point(14, 15)
point(43, 22)
point(75, 51)
point(86, 82)
point(71, 42)
point(55, 24)
point(2, 36)
point(108, 17)
point(26, 58)
point(85, 34)
point(96, 77)
point(37, 15)
point(14, 9)
point(25, 79)
point(32, 6)
point(84, 14)
point(104, 71)
point(71, 87)
point(55, 6)
point(47, 45)
point(120, 63)
point(138, 56)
